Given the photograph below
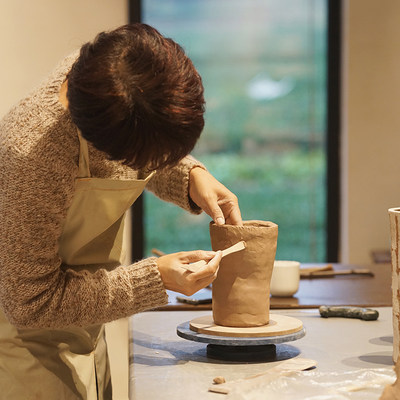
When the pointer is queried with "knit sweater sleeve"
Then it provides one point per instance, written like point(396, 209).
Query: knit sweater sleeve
point(172, 184)
point(39, 156)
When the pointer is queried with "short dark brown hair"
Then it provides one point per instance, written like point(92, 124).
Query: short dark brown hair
point(136, 96)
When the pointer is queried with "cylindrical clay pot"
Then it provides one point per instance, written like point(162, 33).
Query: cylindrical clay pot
point(240, 293)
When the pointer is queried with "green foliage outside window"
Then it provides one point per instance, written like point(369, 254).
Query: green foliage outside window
point(263, 69)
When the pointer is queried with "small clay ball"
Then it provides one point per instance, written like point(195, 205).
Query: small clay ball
point(219, 379)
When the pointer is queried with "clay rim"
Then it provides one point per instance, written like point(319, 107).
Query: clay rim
point(251, 224)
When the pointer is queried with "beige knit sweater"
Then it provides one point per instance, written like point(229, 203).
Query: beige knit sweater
point(39, 150)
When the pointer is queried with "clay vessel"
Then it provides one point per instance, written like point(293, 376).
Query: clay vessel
point(240, 293)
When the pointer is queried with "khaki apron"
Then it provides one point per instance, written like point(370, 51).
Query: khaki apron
point(72, 363)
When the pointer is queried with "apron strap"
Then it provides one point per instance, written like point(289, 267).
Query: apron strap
point(84, 170)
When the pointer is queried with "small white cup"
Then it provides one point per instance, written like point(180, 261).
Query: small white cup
point(285, 278)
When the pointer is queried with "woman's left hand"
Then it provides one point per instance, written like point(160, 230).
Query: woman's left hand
point(214, 198)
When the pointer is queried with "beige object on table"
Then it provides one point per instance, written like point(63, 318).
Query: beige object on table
point(285, 278)
point(240, 295)
point(393, 391)
point(394, 217)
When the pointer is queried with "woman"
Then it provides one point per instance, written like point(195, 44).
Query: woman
point(122, 114)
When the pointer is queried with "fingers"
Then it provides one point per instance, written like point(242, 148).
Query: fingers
point(197, 255)
point(214, 198)
point(226, 210)
point(176, 277)
point(232, 217)
point(235, 218)
point(202, 283)
point(210, 270)
point(204, 277)
point(217, 215)
point(230, 208)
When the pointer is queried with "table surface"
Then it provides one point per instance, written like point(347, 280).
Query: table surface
point(163, 365)
point(355, 290)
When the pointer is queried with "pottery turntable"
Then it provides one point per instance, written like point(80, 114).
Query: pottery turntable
point(242, 344)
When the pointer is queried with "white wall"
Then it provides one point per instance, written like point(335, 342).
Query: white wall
point(36, 34)
point(371, 126)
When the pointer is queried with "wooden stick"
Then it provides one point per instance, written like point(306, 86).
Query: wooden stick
point(233, 249)
point(157, 252)
point(311, 270)
point(194, 267)
point(328, 274)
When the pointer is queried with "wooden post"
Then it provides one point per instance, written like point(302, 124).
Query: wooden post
point(394, 216)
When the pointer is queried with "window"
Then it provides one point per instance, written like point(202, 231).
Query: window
point(263, 65)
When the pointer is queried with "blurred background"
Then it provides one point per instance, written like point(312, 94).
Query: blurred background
point(264, 65)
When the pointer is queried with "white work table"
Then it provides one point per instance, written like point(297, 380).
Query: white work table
point(165, 366)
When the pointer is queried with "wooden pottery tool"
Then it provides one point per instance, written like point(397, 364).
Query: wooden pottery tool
point(285, 368)
point(194, 267)
point(157, 252)
point(306, 272)
point(328, 272)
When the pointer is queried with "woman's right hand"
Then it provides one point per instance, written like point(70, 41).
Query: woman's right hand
point(177, 278)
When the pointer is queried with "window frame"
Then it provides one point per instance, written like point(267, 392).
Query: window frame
point(333, 135)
